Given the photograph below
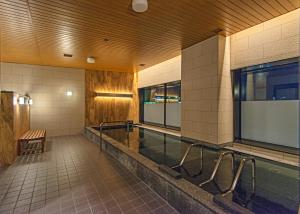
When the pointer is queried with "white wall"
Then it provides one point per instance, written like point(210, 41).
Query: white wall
point(274, 122)
point(52, 109)
point(273, 40)
point(167, 71)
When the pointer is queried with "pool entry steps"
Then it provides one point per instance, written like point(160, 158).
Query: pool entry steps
point(172, 170)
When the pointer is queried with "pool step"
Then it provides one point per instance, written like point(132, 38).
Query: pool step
point(169, 171)
point(229, 205)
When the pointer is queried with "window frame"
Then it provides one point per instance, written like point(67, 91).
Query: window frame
point(142, 100)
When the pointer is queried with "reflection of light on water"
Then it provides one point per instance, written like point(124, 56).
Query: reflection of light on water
point(236, 91)
point(275, 170)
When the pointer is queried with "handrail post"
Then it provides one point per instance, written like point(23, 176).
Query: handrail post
point(126, 123)
point(221, 156)
point(100, 130)
point(239, 172)
point(187, 152)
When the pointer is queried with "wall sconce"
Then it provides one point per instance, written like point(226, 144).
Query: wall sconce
point(30, 101)
point(127, 95)
point(21, 100)
point(69, 93)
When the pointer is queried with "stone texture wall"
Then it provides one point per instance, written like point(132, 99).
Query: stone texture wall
point(100, 109)
point(14, 121)
point(206, 91)
point(273, 40)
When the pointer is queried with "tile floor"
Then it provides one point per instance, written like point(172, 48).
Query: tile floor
point(72, 176)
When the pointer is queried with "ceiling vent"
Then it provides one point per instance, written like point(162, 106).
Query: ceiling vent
point(68, 55)
point(217, 31)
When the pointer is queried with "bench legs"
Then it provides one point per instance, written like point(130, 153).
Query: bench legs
point(20, 142)
point(19, 147)
point(43, 145)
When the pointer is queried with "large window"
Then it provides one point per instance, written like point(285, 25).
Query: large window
point(271, 83)
point(267, 103)
point(153, 104)
point(160, 104)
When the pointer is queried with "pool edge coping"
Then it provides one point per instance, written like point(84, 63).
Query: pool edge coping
point(197, 194)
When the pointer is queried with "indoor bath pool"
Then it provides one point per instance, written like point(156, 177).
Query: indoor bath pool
point(263, 186)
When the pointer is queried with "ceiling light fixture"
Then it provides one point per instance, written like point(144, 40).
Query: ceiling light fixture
point(91, 60)
point(139, 6)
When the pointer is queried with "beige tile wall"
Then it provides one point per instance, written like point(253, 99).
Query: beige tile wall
point(51, 109)
point(225, 99)
point(274, 40)
point(206, 91)
point(167, 71)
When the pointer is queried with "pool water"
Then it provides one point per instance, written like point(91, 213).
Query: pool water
point(277, 185)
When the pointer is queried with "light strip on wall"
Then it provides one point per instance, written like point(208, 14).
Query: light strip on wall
point(114, 95)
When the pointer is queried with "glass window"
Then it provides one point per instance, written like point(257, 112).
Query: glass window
point(173, 104)
point(161, 104)
point(272, 83)
point(154, 99)
point(267, 104)
point(154, 94)
point(173, 92)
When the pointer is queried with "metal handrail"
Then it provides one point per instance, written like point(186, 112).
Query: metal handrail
point(221, 156)
point(239, 172)
point(186, 154)
point(180, 165)
point(105, 123)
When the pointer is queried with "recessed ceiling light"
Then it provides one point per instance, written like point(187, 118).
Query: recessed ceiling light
point(142, 64)
point(91, 60)
point(68, 55)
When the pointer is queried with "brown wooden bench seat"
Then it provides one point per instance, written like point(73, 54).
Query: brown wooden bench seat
point(32, 135)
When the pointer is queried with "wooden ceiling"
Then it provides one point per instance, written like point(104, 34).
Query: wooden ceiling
point(41, 31)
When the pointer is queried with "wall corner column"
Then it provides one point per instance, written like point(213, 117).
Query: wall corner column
point(207, 102)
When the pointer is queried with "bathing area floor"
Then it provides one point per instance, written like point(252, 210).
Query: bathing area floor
point(72, 176)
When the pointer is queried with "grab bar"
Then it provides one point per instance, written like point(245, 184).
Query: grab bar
point(239, 172)
point(222, 155)
point(126, 123)
point(176, 174)
point(186, 154)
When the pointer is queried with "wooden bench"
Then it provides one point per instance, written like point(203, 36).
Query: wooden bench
point(32, 135)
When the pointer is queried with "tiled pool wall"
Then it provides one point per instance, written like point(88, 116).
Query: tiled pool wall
point(181, 194)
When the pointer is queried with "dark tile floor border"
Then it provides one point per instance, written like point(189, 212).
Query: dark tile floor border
point(181, 194)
